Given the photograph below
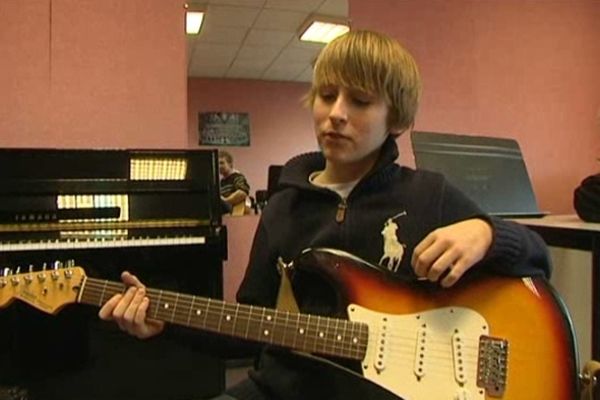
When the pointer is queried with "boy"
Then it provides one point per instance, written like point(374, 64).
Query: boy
point(352, 196)
point(234, 186)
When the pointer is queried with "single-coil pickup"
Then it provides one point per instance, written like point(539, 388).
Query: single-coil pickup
point(458, 357)
point(421, 348)
point(382, 340)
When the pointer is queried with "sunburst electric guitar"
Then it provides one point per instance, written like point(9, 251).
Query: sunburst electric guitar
point(488, 338)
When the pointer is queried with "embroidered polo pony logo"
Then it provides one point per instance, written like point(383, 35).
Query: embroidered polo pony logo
point(393, 250)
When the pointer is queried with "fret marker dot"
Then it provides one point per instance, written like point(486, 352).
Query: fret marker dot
point(198, 312)
point(269, 318)
point(228, 317)
point(301, 330)
point(321, 335)
point(354, 340)
point(266, 332)
point(166, 306)
point(339, 337)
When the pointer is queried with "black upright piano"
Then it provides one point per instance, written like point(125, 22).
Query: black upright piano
point(156, 213)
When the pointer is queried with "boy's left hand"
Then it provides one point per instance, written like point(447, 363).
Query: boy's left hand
point(452, 248)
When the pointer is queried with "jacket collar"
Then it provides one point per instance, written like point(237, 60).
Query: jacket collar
point(297, 170)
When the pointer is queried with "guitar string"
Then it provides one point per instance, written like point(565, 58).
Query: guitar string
point(321, 342)
point(114, 288)
point(317, 341)
point(437, 368)
point(235, 307)
point(216, 317)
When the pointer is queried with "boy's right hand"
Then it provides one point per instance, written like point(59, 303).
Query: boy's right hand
point(128, 310)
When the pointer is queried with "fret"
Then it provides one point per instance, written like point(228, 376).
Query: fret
point(327, 345)
point(295, 331)
point(354, 336)
point(303, 330)
point(206, 308)
point(220, 317)
point(260, 325)
point(338, 338)
point(271, 328)
point(175, 307)
point(285, 327)
point(255, 326)
point(198, 313)
point(250, 311)
point(190, 309)
point(319, 335)
point(213, 315)
point(103, 293)
point(157, 305)
point(278, 327)
point(234, 324)
point(313, 332)
point(318, 332)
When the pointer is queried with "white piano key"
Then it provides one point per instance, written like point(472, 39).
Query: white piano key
point(97, 243)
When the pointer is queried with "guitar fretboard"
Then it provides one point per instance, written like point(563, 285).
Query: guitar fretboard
point(303, 332)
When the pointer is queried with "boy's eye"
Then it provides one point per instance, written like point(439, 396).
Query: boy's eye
point(328, 96)
point(361, 100)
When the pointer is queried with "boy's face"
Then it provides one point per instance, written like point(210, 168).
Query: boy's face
point(350, 125)
point(224, 167)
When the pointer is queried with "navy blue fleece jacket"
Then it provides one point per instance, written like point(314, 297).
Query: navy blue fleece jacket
point(301, 215)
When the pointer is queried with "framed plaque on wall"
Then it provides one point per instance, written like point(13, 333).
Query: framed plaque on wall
point(224, 128)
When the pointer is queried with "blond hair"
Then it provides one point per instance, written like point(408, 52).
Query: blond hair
point(373, 63)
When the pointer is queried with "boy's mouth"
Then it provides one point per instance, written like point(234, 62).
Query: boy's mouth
point(333, 135)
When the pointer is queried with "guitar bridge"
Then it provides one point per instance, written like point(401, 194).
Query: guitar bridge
point(492, 365)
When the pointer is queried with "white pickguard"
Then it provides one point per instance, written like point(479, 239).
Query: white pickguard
point(424, 356)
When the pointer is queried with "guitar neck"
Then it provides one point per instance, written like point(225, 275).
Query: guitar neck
point(302, 332)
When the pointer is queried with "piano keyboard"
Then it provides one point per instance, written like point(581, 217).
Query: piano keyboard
point(101, 243)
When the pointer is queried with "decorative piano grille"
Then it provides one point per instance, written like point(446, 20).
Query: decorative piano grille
point(95, 201)
point(140, 169)
point(158, 169)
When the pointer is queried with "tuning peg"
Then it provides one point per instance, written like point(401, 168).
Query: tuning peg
point(56, 265)
point(28, 278)
point(42, 275)
point(14, 279)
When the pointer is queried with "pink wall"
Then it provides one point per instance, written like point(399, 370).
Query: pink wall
point(280, 127)
point(527, 70)
point(88, 73)
point(522, 69)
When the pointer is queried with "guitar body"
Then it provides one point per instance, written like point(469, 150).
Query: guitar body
point(428, 343)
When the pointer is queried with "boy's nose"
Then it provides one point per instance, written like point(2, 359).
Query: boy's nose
point(339, 110)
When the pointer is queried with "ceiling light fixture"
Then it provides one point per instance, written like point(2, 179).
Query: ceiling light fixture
point(322, 29)
point(193, 19)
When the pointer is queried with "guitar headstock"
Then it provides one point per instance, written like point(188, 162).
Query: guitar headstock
point(47, 290)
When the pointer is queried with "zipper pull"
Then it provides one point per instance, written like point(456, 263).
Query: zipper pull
point(340, 215)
